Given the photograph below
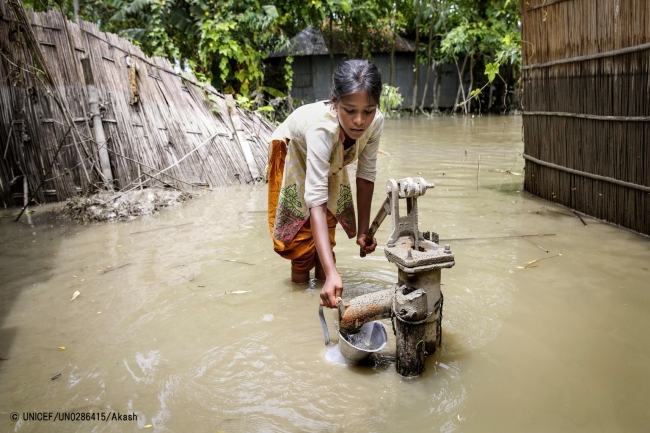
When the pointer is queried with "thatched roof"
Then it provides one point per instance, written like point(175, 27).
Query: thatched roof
point(311, 41)
point(306, 43)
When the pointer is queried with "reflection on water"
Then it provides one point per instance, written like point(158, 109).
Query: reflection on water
point(195, 326)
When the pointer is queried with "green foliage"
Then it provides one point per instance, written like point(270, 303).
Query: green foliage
point(480, 29)
point(484, 32)
point(274, 92)
point(288, 73)
point(214, 101)
point(244, 102)
point(491, 70)
point(226, 42)
point(390, 100)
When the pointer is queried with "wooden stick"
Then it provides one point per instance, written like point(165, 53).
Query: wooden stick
point(145, 165)
point(544, 4)
point(537, 245)
point(588, 116)
point(612, 53)
point(478, 170)
point(161, 228)
point(112, 269)
point(543, 258)
point(585, 174)
point(497, 237)
point(578, 215)
point(174, 164)
point(11, 131)
point(235, 261)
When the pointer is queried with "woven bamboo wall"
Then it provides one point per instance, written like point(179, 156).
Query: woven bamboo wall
point(587, 106)
point(172, 117)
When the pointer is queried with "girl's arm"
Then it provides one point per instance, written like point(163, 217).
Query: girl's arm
point(333, 287)
point(365, 189)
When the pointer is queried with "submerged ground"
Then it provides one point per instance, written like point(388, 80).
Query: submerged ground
point(188, 319)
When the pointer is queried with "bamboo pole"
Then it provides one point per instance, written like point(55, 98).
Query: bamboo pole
point(589, 116)
point(585, 174)
point(241, 139)
point(98, 127)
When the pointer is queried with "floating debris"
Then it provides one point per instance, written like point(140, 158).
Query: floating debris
point(120, 206)
point(528, 264)
point(235, 261)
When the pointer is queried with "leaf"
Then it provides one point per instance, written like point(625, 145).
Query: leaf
point(474, 93)
point(271, 11)
point(61, 347)
point(266, 108)
point(491, 70)
point(507, 40)
point(274, 92)
point(181, 20)
point(74, 295)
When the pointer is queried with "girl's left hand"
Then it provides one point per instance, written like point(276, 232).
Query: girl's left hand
point(367, 244)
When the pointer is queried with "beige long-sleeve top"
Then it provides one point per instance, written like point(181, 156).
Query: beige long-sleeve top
point(314, 167)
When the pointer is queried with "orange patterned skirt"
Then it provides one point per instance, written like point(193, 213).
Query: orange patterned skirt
point(301, 250)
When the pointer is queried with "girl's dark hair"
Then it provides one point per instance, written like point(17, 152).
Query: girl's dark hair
point(354, 75)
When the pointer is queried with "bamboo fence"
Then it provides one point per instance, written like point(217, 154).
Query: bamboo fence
point(587, 106)
point(161, 128)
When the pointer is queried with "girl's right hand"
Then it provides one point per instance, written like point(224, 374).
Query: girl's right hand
point(332, 289)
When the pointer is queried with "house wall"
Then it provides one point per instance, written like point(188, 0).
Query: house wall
point(586, 71)
point(312, 78)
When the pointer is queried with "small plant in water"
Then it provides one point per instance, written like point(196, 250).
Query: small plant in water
point(390, 100)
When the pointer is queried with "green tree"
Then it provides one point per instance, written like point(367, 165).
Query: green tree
point(226, 42)
point(478, 31)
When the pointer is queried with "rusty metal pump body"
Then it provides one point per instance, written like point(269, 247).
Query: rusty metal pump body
point(415, 302)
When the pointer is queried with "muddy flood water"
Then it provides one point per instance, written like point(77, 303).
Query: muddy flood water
point(188, 319)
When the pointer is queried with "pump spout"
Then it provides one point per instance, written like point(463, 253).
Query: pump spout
point(366, 308)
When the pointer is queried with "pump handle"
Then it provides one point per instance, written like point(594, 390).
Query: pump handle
point(379, 218)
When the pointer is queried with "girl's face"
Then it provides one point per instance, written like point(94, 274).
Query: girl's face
point(356, 112)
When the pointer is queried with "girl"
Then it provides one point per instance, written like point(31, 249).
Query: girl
point(309, 189)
